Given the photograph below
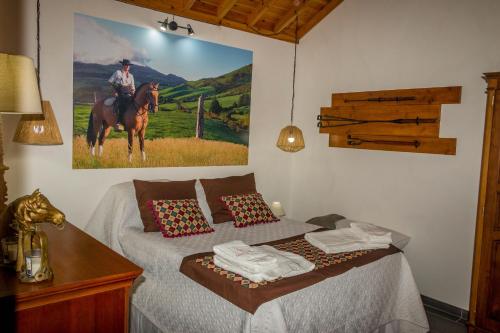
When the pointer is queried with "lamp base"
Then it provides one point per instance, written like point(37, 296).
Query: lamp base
point(38, 277)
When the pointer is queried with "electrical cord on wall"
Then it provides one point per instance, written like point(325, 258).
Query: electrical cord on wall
point(38, 42)
point(294, 67)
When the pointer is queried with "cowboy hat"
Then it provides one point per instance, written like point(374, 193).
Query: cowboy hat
point(125, 62)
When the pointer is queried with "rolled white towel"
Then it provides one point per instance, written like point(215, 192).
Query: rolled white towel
point(372, 232)
point(240, 252)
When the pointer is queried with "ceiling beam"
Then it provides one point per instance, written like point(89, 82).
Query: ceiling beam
point(162, 6)
point(290, 16)
point(257, 13)
point(262, 32)
point(224, 8)
point(188, 4)
point(317, 17)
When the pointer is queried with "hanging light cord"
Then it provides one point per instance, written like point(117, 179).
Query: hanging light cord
point(294, 66)
point(38, 42)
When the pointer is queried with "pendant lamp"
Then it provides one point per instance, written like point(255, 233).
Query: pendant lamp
point(291, 139)
point(39, 129)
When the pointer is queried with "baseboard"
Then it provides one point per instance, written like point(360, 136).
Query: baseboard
point(445, 310)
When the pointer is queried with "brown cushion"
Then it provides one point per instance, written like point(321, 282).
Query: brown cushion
point(145, 191)
point(248, 209)
point(179, 218)
point(217, 187)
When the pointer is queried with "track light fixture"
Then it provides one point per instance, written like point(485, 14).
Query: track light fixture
point(172, 25)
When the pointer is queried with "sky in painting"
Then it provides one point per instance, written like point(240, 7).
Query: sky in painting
point(106, 42)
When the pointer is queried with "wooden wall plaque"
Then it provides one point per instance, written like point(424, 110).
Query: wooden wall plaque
point(405, 120)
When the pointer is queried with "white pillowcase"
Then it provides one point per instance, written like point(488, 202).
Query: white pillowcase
point(202, 201)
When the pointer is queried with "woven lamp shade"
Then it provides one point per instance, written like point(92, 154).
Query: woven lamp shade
point(19, 92)
point(39, 129)
point(291, 139)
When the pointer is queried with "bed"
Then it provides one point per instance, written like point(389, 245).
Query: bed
point(378, 297)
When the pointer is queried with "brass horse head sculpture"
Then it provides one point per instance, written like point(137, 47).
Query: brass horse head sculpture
point(27, 213)
point(30, 210)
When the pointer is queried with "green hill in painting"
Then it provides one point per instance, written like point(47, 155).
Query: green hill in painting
point(227, 97)
point(233, 83)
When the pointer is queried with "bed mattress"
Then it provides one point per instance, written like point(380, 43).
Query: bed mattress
point(381, 296)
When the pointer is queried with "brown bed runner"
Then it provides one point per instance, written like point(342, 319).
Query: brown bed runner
point(249, 295)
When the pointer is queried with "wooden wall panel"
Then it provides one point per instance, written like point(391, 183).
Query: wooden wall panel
point(388, 112)
point(396, 143)
point(436, 96)
point(406, 120)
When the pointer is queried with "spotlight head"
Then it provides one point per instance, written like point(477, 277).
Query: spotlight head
point(163, 25)
point(172, 25)
point(190, 30)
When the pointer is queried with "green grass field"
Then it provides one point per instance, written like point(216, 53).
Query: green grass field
point(166, 152)
point(171, 124)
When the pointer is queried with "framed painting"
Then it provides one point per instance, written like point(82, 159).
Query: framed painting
point(146, 98)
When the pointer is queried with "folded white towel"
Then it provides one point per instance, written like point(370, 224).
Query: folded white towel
point(342, 240)
point(372, 232)
point(253, 258)
point(287, 264)
point(235, 267)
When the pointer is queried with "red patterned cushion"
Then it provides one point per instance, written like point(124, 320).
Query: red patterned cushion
point(248, 209)
point(177, 218)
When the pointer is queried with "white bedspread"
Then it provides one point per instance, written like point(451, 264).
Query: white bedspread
point(378, 297)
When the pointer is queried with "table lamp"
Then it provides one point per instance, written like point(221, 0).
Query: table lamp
point(277, 209)
point(19, 94)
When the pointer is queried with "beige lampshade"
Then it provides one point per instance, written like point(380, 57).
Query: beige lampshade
point(39, 129)
point(277, 209)
point(19, 92)
point(291, 139)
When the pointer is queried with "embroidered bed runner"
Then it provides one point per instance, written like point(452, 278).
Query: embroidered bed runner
point(249, 295)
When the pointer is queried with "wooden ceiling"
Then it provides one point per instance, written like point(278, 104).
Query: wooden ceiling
point(271, 18)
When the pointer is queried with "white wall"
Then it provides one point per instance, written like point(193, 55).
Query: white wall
point(76, 192)
point(391, 44)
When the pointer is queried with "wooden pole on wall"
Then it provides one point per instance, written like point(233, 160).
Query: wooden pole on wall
point(200, 117)
point(4, 223)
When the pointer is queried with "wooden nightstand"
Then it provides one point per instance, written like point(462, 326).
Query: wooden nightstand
point(89, 292)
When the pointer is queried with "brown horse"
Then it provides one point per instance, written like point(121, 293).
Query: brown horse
point(103, 118)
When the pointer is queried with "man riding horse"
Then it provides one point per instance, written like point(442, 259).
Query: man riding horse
point(123, 84)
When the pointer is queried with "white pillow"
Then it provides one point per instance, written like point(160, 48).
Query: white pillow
point(202, 201)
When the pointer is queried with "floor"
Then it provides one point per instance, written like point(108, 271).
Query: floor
point(440, 323)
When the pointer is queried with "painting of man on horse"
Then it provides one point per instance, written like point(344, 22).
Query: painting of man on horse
point(185, 101)
point(133, 107)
